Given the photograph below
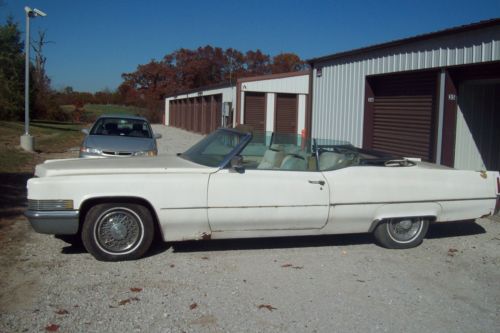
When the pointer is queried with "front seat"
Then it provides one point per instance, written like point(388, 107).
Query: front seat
point(272, 159)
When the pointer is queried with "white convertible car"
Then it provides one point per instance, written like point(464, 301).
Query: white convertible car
point(233, 184)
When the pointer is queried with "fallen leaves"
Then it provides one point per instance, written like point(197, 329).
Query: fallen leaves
point(193, 306)
point(267, 306)
point(452, 252)
point(128, 300)
point(292, 266)
point(61, 311)
point(135, 290)
point(52, 328)
point(204, 258)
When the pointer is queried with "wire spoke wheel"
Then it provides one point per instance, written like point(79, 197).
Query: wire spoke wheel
point(404, 230)
point(118, 230)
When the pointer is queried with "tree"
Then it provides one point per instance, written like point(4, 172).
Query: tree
point(11, 71)
point(44, 104)
point(257, 63)
point(287, 62)
point(186, 69)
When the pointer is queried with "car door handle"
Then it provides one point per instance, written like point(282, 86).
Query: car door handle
point(320, 182)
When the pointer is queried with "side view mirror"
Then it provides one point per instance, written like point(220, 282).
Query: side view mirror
point(237, 164)
point(85, 131)
point(157, 136)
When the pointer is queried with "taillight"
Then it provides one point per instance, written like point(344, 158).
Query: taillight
point(498, 185)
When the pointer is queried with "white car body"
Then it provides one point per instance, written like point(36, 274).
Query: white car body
point(192, 201)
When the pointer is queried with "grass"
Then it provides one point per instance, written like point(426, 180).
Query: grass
point(99, 109)
point(50, 137)
point(93, 111)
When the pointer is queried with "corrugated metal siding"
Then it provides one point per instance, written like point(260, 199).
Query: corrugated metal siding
point(338, 95)
point(477, 145)
point(290, 85)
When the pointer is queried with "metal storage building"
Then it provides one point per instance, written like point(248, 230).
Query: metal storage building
point(274, 103)
point(201, 110)
point(434, 96)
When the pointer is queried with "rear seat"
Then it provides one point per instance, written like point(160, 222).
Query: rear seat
point(330, 161)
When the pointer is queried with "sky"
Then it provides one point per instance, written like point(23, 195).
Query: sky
point(95, 41)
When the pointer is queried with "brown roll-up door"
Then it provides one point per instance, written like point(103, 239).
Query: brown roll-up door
point(176, 113)
point(197, 115)
point(204, 114)
point(402, 114)
point(184, 114)
point(190, 115)
point(218, 111)
point(171, 113)
point(255, 110)
point(286, 114)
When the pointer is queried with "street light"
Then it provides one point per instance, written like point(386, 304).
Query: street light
point(26, 138)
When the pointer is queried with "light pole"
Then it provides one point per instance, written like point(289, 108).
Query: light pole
point(26, 138)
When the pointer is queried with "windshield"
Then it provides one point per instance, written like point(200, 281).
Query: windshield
point(215, 148)
point(137, 128)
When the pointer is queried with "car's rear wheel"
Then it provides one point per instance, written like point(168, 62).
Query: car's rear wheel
point(117, 231)
point(401, 233)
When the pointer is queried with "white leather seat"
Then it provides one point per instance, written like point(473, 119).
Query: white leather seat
point(291, 162)
point(271, 159)
point(329, 160)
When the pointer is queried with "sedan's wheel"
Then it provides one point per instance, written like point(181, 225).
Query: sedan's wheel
point(114, 232)
point(401, 233)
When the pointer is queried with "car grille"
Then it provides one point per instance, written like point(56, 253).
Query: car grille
point(50, 204)
point(116, 153)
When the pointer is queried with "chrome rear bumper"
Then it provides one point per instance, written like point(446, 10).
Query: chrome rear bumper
point(54, 222)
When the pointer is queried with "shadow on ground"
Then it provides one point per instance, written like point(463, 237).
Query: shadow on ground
point(444, 230)
point(13, 194)
point(454, 229)
point(436, 231)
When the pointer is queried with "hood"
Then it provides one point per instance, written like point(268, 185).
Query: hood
point(112, 165)
point(119, 143)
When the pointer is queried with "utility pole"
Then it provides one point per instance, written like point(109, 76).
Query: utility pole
point(27, 141)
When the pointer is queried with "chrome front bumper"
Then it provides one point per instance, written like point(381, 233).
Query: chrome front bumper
point(54, 222)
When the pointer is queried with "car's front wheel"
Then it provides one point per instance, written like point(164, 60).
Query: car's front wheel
point(117, 231)
point(401, 233)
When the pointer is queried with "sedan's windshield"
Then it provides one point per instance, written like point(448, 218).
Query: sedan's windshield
point(121, 127)
point(215, 148)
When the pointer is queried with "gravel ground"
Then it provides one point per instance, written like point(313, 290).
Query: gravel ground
point(174, 140)
point(300, 284)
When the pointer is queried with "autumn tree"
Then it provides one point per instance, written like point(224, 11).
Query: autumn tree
point(186, 69)
point(287, 62)
point(257, 63)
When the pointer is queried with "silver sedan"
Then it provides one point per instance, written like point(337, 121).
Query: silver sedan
point(120, 136)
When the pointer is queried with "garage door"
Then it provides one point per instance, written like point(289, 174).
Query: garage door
point(401, 114)
point(255, 110)
point(478, 123)
point(218, 111)
point(286, 114)
point(197, 115)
